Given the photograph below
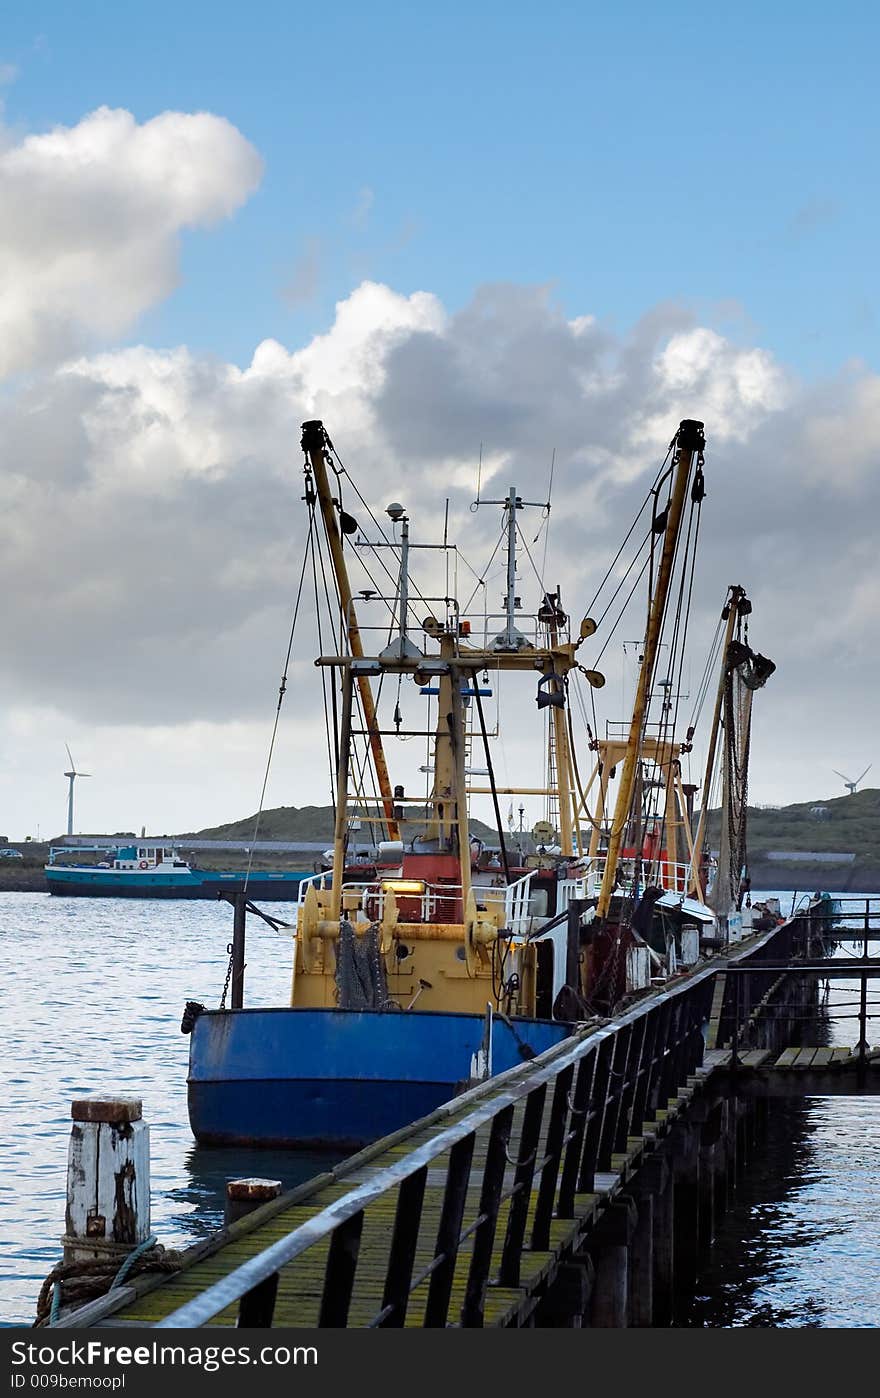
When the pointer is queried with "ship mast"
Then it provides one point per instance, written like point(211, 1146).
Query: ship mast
point(730, 612)
point(316, 443)
point(689, 443)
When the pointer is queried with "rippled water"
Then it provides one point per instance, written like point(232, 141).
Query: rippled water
point(92, 993)
point(801, 1245)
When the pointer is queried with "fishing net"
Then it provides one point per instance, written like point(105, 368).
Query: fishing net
point(361, 983)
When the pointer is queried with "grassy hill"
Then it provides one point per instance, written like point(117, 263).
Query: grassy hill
point(840, 824)
point(309, 823)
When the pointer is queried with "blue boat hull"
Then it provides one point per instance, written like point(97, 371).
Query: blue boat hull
point(339, 1078)
point(198, 883)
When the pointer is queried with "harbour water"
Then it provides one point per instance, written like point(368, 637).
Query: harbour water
point(92, 994)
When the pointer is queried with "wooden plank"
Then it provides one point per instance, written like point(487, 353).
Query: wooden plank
point(755, 1058)
point(787, 1058)
point(822, 1057)
point(840, 1054)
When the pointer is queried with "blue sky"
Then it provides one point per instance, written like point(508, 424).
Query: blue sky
point(710, 169)
point(720, 156)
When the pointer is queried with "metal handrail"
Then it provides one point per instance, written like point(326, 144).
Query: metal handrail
point(304, 885)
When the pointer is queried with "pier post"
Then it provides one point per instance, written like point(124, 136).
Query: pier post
point(711, 1173)
point(641, 1259)
point(108, 1179)
point(732, 1147)
point(245, 1195)
point(685, 1154)
point(567, 1300)
point(721, 1165)
point(609, 1249)
point(660, 1182)
point(743, 1141)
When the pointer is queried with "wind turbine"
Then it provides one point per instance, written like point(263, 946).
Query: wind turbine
point(851, 785)
point(71, 777)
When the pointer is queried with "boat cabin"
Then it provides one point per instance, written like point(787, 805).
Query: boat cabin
point(148, 857)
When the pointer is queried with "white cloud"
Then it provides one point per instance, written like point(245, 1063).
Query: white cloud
point(90, 219)
point(154, 526)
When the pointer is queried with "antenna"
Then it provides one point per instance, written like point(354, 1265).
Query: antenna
point(476, 503)
point(71, 777)
point(848, 782)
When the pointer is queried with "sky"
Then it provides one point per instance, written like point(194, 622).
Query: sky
point(531, 227)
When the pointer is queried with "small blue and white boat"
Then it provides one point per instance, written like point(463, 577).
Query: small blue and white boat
point(149, 870)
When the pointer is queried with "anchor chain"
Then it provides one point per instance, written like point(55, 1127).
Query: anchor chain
point(228, 976)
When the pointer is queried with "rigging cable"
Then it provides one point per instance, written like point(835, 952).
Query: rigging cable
point(629, 532)
point(623, 579)
point(504, 860)
point(332, 740)
point(282, 690)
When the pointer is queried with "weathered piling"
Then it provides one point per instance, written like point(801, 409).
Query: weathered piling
point(609, 1249)
point(710, 1172)
point(245, 1195)
point(108, 1179)
point(684, 1150)
point(641, 1262)
point(660, 1182)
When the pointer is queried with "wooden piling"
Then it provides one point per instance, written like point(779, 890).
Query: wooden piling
point(245, 1195)
point(685, 1158)
point(567, 1301)
point(609, 1250)
point(711, 1175)
point(108, 1178)
point(663, 1244)
point(641, 1263)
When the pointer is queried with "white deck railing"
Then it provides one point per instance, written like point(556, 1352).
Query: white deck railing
point(673, 877)
point(517, 913)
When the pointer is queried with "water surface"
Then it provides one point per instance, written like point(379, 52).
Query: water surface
point(92, 992)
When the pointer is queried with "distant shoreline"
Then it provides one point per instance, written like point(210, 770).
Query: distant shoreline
point(805, 878)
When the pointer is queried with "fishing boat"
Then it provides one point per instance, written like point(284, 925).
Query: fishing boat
point(158, 871)
point(450, 962)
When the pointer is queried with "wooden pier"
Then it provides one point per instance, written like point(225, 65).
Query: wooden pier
point(575, 1190)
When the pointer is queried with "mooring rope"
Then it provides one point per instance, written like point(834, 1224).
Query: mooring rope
point(85, 1281)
